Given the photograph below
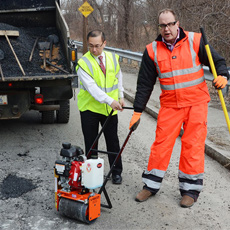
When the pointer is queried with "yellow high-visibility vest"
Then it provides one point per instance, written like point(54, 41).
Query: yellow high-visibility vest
point(108, 84)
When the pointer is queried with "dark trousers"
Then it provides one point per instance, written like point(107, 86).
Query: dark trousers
point(90, 127)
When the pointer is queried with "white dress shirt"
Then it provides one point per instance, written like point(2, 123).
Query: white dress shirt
point(91, 86)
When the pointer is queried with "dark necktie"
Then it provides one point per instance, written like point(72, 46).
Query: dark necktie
point(101, 64)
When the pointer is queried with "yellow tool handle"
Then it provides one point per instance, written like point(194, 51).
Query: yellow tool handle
point(213, 68)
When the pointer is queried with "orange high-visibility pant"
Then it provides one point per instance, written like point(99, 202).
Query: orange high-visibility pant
point(191, 165)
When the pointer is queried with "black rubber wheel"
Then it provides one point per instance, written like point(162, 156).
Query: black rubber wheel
point(63, 113)
point(48, 117)
point(74, 210)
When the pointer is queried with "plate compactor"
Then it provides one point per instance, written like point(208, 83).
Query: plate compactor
point(76, 178)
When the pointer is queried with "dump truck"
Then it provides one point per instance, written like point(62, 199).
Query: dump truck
point(37, 60)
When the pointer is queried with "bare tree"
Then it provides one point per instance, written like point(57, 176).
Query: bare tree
point(214, 17)
point(131, 24)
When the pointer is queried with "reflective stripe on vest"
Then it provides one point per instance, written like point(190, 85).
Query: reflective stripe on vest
point(114, 61)
point(183, 85)
point(109, 84)
point(88, 63)
point(106, 90)
point(174, 73)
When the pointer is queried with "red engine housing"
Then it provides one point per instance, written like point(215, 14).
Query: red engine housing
point(75, 175)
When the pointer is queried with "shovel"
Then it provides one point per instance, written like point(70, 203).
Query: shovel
point(1, 58)
point(53, 39)
point(1, 72)
point(57, 67)
point(32, 51)
point(44, 46)
point(7, 33)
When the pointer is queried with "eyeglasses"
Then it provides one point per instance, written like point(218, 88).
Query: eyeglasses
point(170, 24)
point(96, 46)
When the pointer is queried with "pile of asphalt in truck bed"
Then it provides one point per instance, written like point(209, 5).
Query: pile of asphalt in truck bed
point(23, 45)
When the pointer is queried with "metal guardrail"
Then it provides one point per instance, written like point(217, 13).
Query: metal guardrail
point(137, 56)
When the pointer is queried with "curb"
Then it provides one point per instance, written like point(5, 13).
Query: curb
point(211, 152)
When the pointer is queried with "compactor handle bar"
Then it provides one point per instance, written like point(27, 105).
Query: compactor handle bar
point(103, 128)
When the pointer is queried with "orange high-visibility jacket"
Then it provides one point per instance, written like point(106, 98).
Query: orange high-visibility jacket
point(180, 72)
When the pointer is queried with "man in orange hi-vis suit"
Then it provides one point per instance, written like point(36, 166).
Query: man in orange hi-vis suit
point(176, 58)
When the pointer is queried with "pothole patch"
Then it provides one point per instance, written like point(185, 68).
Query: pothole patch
point(13, 186)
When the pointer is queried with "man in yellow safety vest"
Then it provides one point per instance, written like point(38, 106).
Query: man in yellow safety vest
point(101, 91)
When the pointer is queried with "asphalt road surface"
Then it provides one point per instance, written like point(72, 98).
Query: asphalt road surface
point(27, 156)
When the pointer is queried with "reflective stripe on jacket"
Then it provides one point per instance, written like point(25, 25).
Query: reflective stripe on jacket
point(180, 72)
point(108, 84)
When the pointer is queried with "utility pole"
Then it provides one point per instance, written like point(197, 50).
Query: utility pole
point(86, 10)
point(85, 30)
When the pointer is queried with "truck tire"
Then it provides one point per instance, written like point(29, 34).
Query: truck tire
point(63, 113)
point(48, 117)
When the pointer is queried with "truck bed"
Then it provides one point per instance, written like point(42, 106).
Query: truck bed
point(45, 89)
point(23, 45)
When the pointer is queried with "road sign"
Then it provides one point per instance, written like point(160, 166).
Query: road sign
point(86, 9)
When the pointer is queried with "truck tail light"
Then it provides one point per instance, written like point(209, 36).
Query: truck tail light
point(38, 99)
